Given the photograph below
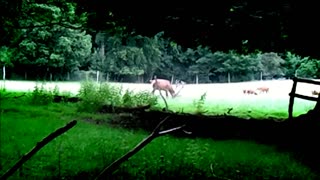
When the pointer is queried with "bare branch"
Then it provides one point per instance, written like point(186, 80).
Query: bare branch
point(107, 172)
point(170, 130)
point(157, 129)
point(165, 102)
point(39, 145)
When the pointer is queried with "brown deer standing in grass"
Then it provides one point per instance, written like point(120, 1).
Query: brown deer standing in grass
point(162, 84)
point(263, 89)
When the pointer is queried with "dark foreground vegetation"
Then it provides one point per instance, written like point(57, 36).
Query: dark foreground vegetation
point(219, 147)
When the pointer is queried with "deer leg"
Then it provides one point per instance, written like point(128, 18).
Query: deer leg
point(166, 93)
point(153, 91)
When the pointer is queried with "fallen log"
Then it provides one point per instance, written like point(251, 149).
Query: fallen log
point(117, 109)
point(59, 98)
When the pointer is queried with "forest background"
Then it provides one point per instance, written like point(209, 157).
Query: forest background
point(233, 41)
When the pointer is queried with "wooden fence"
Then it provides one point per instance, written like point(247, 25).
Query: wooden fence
point(293, 94)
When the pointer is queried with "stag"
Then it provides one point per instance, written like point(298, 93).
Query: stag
point(162, 84)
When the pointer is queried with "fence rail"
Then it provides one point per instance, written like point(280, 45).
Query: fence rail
point(293, 94)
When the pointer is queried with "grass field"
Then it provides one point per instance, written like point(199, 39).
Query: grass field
point(87, 148)
point(219, 97)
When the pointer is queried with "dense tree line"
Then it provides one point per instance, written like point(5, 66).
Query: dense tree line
point(64, 40)
point(276, 26)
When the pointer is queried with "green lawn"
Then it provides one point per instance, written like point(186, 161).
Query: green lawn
point(87, 148)
point(254, 108)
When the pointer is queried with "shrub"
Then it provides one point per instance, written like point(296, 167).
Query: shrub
point(94, 96)
point(131, 99)
point(41, 96)
point(199, 105)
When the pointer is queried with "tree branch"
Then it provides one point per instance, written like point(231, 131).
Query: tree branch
point(107, 172)
point(165, 102)
point(39, 145)
point(170, 130)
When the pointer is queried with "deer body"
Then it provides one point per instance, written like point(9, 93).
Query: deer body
point(263, 89)
point(162, 84)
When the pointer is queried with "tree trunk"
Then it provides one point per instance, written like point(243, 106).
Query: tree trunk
point(97, 76)
point(107, 77)
point(172, 79)
point(25, 75)
point(87, 76)
point(4, 72)
point(197, 79)
point(228, 77)
point(152, 76)
point(68, 76)
point(140, 78)
point(50, 76)
point(261, 76)
point(102, 54)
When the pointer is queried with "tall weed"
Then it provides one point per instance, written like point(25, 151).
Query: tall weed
point(199, 104)
point(131, 99)
point(41, 96)
point(94, 96)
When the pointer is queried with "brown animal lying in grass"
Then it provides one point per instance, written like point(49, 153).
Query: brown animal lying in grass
point(314, 92)
point(263, 89)
point(246, 91)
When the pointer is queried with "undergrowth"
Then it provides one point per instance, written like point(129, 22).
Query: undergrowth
point(199, 104)
point(87, 148)
point(94, 96)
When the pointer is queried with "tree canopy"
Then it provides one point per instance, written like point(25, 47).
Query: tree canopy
point(133, 41)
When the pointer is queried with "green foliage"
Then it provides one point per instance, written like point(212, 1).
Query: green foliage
point(144, 97)
point(258, 108)
point(301, 66)
point(292, 63)
point(66, 53)
point(129, 56)
point(52, 44)
point(41, 96)
point(2, 89)
point(94, 96)
point(199, 104)
point(309, 69)
point(87, 148)
point(49, 38)
point(5, 56)
point(271, 63)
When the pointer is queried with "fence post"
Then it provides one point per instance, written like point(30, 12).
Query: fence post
point(317, 106)
point(291, 94)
